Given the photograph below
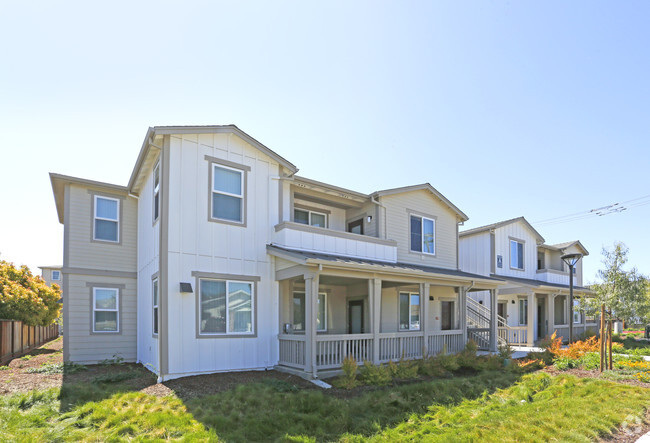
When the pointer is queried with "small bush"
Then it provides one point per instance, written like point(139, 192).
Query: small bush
point(467, 358)
point(403, 369)
point(491, 362)
point(377, 375)
point(523, 366)
point(116, 360)
point(505, 351)
point(564, 363)
point(349, 378)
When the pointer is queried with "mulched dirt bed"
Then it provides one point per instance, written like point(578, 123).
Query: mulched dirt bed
point(594, 373)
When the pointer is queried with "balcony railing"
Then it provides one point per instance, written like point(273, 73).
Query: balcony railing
point(554, 276)
point(328, 241)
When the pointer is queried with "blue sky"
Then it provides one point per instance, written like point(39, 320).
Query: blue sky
point(538, 109)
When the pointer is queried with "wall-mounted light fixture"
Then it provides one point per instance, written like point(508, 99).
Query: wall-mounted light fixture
point(513, 302)
point(186, 288)
point(431, 298)
point(369, 218)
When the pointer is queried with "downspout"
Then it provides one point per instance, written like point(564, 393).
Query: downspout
point(378, 203)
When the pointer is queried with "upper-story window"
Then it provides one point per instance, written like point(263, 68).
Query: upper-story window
point(423, 235)
point(356, 227)
point(227, 194)
point(516, 254)
point(307, 217)
point(56, 275)
point(156, 192)
point(106, 219)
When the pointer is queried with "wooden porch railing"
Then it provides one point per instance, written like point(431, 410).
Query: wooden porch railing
point(17, 339)
point(514, 335)
point(331, 350)
point(395, 345)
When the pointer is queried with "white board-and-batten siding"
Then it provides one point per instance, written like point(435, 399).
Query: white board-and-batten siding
point(475, 253)
point(196, 244)
point(516, 231)
point(399, 207)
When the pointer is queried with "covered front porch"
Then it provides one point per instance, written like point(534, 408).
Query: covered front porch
point(369, 311)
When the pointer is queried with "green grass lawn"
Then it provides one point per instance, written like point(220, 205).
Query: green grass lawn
point(490, 406)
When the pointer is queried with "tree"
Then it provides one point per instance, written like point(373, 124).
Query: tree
point(624, 293)
point(26, 297)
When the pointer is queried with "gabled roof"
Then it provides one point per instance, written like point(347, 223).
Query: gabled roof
point(58, 185)
point(155, 131)
point(426, 187)
point(566, 245)
point(500, 224)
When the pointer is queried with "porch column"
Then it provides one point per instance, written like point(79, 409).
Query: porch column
point(425, 290)
point(494, 324)
point(551, 314)
point(374, 289)
point(311, 313)
point(462, 308)
point(531, 319)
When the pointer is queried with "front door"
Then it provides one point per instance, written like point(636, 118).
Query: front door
point(355, 317)
point(501, 309)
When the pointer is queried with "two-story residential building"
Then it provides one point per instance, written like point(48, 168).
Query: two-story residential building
point(534, 302)
point(216, 256)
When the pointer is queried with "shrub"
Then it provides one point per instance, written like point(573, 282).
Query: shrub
point(564, 363)
point(505, 351)
point(491, 362)
point(349, 378)
point(403, 369)
point(26, 297)
point(467, 358)
point(377, 375)
point(523, 366)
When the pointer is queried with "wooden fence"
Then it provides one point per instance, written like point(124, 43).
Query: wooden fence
point(17, 339)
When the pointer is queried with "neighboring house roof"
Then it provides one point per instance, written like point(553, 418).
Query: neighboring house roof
point(304, 257)
point(155, 131)
point(500, 224)
point(58, 186)
point(565, 245)
point(426, 187)
point(540, 284)
point(55, 267)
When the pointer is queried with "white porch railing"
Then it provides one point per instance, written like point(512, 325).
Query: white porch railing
point(480, 336)
point(514, 335)
point(395, 345)
point(292, 350)
point(331, 350)
point(562, 331)
point(452, 341)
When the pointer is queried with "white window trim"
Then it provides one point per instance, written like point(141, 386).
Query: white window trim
point(310, 212)
point(116, 310)
point(156, 192)
point(523, 247)
point(520, 321)
point(59, 276)
point(116, 220)
point(410, 307)
point(422, 219)
point(239, 196)
point(155, 289)
point(305, 298)
point(221, 334)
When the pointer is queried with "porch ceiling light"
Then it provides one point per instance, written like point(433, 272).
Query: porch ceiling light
point(571, 259)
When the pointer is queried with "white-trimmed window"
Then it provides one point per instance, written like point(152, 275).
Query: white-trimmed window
point(154, 292)
point(516, 254)
point(106, 310)
point(409, 311)
point(523, 312)
point(577, 313)
point(299, 315)
point(560, 310)
point(225, 307)
point(156, 192)
point(106, 219)
point(56, 275)
point(227, 193)
point(423, 235)
point(311, 218)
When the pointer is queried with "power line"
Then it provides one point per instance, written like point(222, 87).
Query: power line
point(602, 211)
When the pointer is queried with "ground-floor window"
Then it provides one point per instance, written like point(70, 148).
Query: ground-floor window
point(577, 314)
point(154, 291)
point(560, 310)
point(106, 309)
point(447, 315)
point(409, 311)
point(226, 307)
point(299, 312)
point(523, 312)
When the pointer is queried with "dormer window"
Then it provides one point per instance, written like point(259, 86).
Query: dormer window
point(516, 254)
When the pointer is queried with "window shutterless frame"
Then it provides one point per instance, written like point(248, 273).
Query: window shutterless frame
point(116, 310)
point(319, 327)
point(310, 216)
point(240, 196)
point(411, 305)
point(424, 241)
point(56, 275)
point(516, 258)
point(115, 220)
point(154, 293)
point(227, 309)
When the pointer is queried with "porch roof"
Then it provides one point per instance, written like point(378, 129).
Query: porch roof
point(543, 285)
point(315, 258)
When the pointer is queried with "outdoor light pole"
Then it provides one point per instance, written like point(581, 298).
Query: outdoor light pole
point(571, 260)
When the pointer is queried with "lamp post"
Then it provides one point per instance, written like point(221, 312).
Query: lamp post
point(571, 260)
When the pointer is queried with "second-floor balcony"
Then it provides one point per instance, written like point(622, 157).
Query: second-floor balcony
point(303, 237)
point(554, 276)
